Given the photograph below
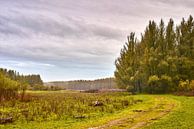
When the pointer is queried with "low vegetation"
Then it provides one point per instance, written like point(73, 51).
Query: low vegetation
point(49, 106)
point(66, 109)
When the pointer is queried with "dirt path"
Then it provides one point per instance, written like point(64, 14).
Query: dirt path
point(141, 118)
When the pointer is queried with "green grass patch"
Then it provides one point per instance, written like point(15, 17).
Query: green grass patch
point(182, 117)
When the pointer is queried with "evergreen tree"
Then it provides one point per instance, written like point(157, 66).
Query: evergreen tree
point(160, 60)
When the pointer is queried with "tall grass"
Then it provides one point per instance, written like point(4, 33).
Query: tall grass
point(63, 106)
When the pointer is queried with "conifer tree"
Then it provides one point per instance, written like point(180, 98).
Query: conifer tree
point(160, 61)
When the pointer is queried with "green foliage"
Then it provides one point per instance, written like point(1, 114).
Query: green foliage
point(192, 85)
point(184, 85)
point(11, 82)
point(153, 80)
point(32, 80)
point(8, 88)
point(129, 88)
point(166, 83)
point(153, 83)
point(158, 61)
point(125, 63)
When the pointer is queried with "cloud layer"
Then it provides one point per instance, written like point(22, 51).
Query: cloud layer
point(72, 39)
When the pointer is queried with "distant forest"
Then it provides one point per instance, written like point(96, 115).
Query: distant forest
point(161, 62)
point(106, 83)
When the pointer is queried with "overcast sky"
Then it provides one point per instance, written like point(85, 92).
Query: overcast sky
point(75, 39)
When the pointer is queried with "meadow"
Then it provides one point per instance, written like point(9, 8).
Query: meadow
point(63, 106)
point(70, 109)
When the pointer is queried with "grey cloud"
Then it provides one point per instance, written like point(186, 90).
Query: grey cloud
point(20, 23)
point(65, 54)
point(8, 28)
point(55, 28)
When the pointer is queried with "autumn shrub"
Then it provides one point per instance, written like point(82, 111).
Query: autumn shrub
point(184, 86)
point(192, 85)
point(153, 83)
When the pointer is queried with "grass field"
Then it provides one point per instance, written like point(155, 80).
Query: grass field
point(66, 109)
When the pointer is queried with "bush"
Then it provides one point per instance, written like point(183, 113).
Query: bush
point(165, 83)
point(184, 86)
point(153, 80)
point(159, 85)
point(153, 83)
point(192, 85)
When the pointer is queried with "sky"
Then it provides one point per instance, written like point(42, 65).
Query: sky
point(75, 39)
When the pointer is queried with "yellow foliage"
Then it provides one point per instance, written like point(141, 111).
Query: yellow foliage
point(184, 85)
point(192, 85)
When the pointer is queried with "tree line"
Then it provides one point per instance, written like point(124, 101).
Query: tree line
point(11, 82)
point(105, 83)
point(162, 61)
point(32, 79)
